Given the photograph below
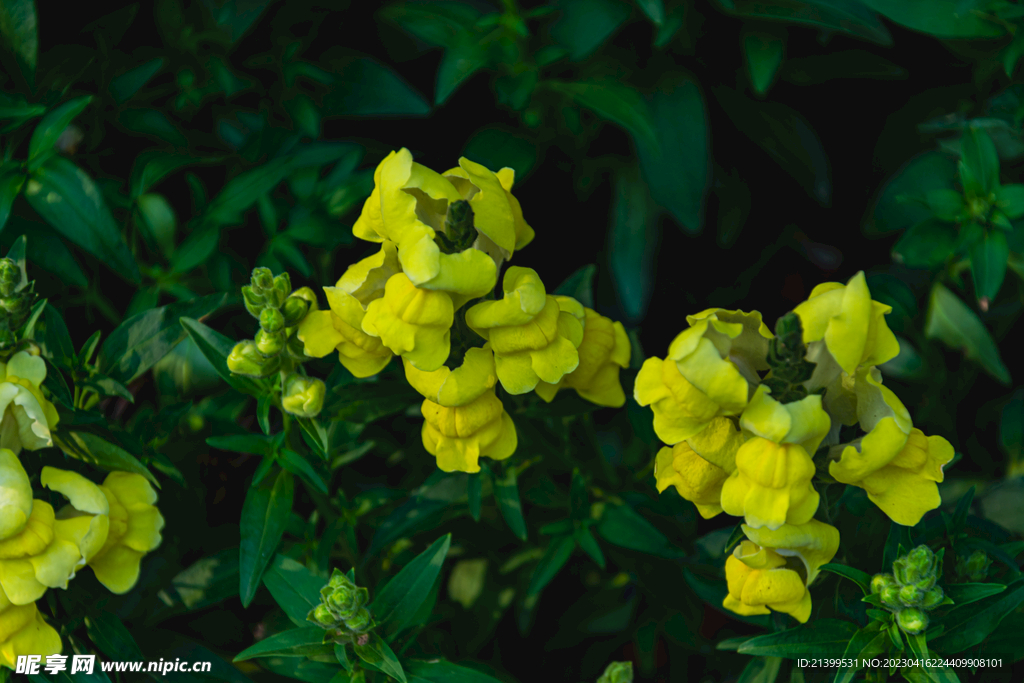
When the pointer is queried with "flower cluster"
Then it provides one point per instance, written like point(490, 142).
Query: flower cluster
point(106, 527)
point(910, 592)
point(427, 296)
point(746, 413)
point(276, 347)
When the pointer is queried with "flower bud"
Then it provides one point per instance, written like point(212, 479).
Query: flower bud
point(617, 672)
point(976, 566)
point(912, 620)
point(262, 279)
point(294, 310)
point(899, 569)
point(303, 396)
point(271, 320)
point(10, 276)
point(920, 564)
point(246, 359)
point(891, 597)
point(323, 616)
point(338, 579)
point(360, 621)
point(253, 302)
point(280, 291)
point(881, 581)
point(927, 582)
point(933, 598)
point(911, 595)
point(307, 295)
point(270, 345)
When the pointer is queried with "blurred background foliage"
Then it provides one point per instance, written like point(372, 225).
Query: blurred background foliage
point(697, 153)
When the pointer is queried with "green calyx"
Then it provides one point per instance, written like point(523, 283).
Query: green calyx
point(911, 591)
point(459, 233)
point(789, 369)
point(342, 610)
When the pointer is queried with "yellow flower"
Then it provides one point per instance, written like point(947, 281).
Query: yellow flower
point(409, 206)
point(814, 543)
point(758, 579)
point(412, 322)
point(848, 324)
point(24, 632)
point(341, 327)
point(802, 422)
point(135, 525)
point(699, 467)
point(27, 417)
point(15, 495)
point(533, 335)
point(771, 485)
point(464, 417)
point(708, 373)
point(895, 463)
point(605, 349)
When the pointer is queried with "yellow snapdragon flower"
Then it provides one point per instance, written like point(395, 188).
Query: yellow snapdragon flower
point(894, 462)
point(771, 485)
point(26, 417)
point(605, 350)
point(844, 321)
point(814, 543)
point(709, 372)
point(758, 579)
point(341, 327)
point(24, 632)
point(534, 336)
point(697, 468)
point(135, 525)
point(412, 322)
point(15, 495)
point(802, 422)
point(464, 417)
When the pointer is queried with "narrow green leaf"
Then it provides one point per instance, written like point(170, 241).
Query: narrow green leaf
point(969, 625)
point(295, 588)
point(579, 500)
point(582, 26)
point(822, 638)
point(242, 191)
point(442, 671)
point(101, 454)
point(613, 102)
point(298, 642)
point(551, 562)
point(588, 543)
point(196, 248)
point(402, 596)
point(293, 461)
point(461, 60)
point(921, 175)
point(365, 88)
point(1010, 200)
point(963, 507)
point(847, 16)
point(264, 518)
point(506, 492)
point(965, 593)
point(621, 525)
point(377, 655)
point(127, 84)
point(216, 347)
point(632, 244)
point(978, 154)
point(474, 491)
point(862, 579)
point(254, 444)
point(10, 186)
point(946, 204)
point(988, 266)
point(68, 199)
point(579, 285)
point(763, 52)
point(952, 322)
point(44, 137)
point(761, 670)
point(111, 636)
point(18, 26)
point(52, 335)
point(654, 9)
point(940, 18)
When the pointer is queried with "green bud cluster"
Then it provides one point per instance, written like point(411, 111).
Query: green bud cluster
point(16, 298)
point(975, 567)
point(279, 310)
point(459, 232)
point(786, 358)
point(342, 610)
point(911, 591)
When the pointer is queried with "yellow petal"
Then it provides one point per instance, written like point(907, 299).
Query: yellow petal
point(15, 495)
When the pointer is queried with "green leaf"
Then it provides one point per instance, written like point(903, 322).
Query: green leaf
point(863, 645)
point(377, 655)
point(474, 494)
point(632, 244)
point(1010, 200)
point(436, 23)
point(969, 625)
point(583, 25)
point(297, 464)
point(988, 266)
point(654, 9)
point(295, 588)
point(928, 244)
point(100, 453)
point(622, 526)
point(965, 593)
point(862, 579)
point(506, 492)
point(763, 53)
point(1011, 426)
point(127, 84)
point(153, 166)
point(111, 637)
point(979, 156)
point(203, 583)
point(898, 537)
point(365, 88)
point(158, 220)
point(579, 285)
point(216, 347)
point(847, 16)
point(45, 135)
point(959, 519)
point(613, 102)
point(197, 248)
point(403, 595)
point(142, 340)
point(264, 518)
point(52, 335)
point(822, 638)
point(677, 169)
point(298, 642)
point(49, 252)
point(946, 204)
point(551, 562)
point(940, 18)
point(461, 60)
point(441, 671)
point(952, 322)
point(68, 199)
point(498, 148)
point(10, 186)
point(921, 175)
point(588, 543)
point(18, 27)
point(242, 191)
point(254, 444)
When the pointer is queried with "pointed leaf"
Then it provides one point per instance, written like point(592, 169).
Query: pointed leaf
point(969, 625)
point(952, 322)
point(10, 186)
point(295, 588)
point(506, 492)
point(925, 173)
point(377, 655)
point(216, 347)
point(965, 593)
point(624, 527)
point(111, 636)
point(862, 579)
point(127, 84)
point(551, 562)
point(264, 518)
point(940, 18)
point(101, 454)
point(18, 27)
point(988, 266)
point(441, 671)
point(298, 642)
point(632, 244)
point(822, 638)
point(613, 102)
point(365, 88)
point(763, 52)
point(461, 60)
point(46, 134)
point(978, 154)
point(402, 596)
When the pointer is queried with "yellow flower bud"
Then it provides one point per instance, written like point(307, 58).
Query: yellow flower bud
point(26, 417)
point(771, 485)
point(303, 396)
point(245, 359)
point(412, 322)
point(24, 632)
point(533, 338)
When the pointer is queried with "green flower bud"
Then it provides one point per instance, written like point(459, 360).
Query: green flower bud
point(307, 295)
point(323, 616)
point(341, 600)
point(270, 345)
point(920, 564)
point(899, 569)
point(933, 598)
point(294, 309)
point(262, 280)
point(359, 622)
point(253, 302)
point(271, 321)
point(976, 566)
point(303, 396)
point(10, 276)
point(617, 672)
point(912, 620)
point(880, 581)
point(338, 579)
point(891, 597)
point(246, 359)
point(911, 595)
point(927, 582)
point(280, 291)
